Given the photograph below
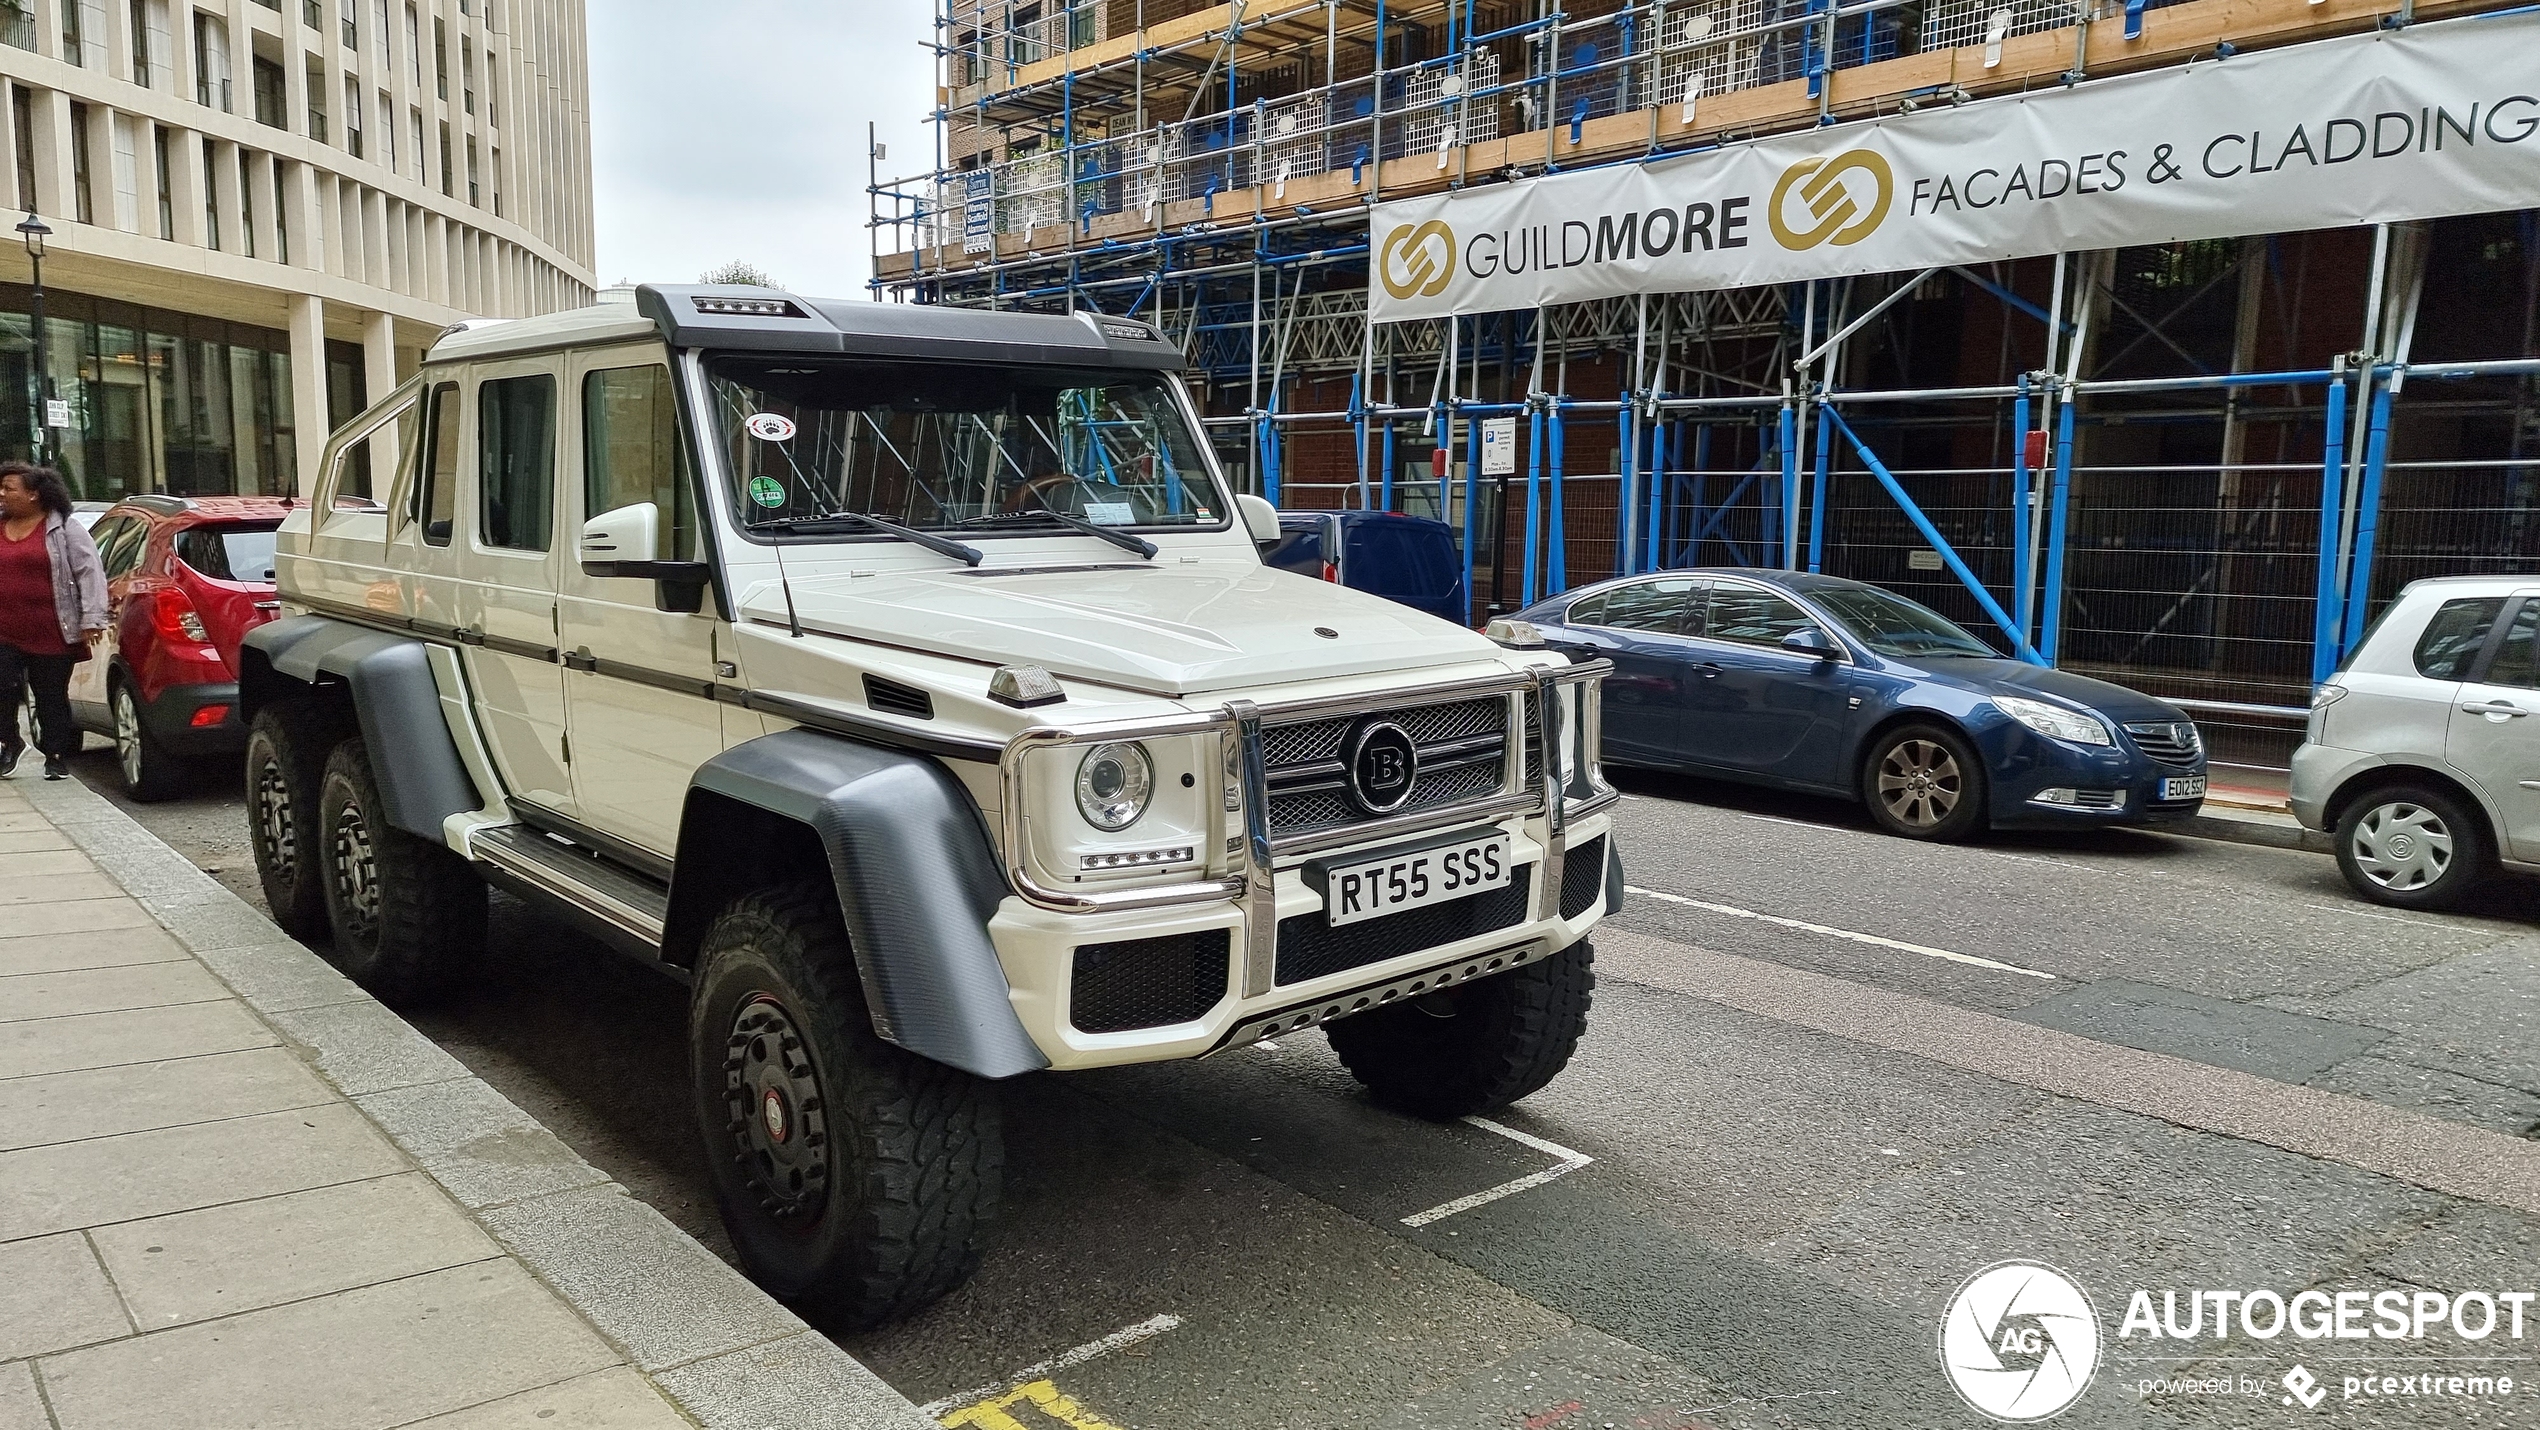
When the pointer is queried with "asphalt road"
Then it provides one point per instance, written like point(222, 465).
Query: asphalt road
point(1830, 1075)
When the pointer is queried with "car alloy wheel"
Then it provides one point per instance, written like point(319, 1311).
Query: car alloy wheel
point(356, 874)
point(128, 736)
point(2402, 846)
point(778, 1122)
point(1920, 783)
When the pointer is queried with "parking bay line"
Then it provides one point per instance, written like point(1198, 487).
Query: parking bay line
point(1804, 926)
point(1570, 1162)
point(1121, 1339)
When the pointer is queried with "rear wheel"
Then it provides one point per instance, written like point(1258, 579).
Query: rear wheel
point(285, 762)
point(2411, 847)
point(1924, 782)
point(856, 1178)
point(408, 915)
point(150, 773)
point(1475, 1047)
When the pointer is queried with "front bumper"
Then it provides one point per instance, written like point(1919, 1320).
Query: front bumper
point(1038, 947)
point(2036, 764)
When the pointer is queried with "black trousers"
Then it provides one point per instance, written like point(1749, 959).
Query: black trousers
point(50, 675)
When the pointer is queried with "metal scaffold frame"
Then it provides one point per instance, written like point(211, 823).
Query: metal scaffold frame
point(1211, 173)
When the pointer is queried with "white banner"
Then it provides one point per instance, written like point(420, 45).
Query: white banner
point(2440, 118)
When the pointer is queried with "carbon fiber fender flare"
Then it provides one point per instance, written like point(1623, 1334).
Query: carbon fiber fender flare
point(389, 679)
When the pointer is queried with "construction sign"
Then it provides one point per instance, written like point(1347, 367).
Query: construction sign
point(2377, 128)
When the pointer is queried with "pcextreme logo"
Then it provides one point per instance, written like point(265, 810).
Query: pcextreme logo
point(1418, 261)
point(1846, 196)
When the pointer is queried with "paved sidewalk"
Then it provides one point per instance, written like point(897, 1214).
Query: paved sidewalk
point(235, 1191)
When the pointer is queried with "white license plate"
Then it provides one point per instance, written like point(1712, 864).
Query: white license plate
point(2183, 787)
point(1356, 892)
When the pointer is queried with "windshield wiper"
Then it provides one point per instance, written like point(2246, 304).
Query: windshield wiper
point(1121, 539)
point(960, 551)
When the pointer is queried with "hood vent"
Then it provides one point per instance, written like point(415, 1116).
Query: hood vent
point(892, 698)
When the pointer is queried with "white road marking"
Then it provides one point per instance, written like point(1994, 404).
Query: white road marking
point(1793, 823)
point(2058, 863)
point(1120, 1339)
point(1570, 1162)
point(2384, 918)
point(1869, 938)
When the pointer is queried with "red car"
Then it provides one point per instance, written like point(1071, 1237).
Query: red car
point(186, 577)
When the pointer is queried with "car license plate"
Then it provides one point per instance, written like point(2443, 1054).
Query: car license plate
point(2183, 787)
point(1414, 879)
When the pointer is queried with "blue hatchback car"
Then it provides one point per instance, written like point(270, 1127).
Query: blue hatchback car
point(1835, 687)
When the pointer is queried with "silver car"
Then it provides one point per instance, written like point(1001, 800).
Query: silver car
point(2423, 753)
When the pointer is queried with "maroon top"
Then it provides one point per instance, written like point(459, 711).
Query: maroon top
point(27, 617)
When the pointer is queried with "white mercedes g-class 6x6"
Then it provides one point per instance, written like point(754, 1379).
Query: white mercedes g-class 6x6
point(907, 680)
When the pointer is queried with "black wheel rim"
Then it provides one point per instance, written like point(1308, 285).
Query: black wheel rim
point(356, 874)
point(272, 810)
point(775, 1117)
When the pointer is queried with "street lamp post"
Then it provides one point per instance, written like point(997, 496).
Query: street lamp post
point(34, 231)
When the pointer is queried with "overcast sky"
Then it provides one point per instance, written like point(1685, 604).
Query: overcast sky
point(736, 130)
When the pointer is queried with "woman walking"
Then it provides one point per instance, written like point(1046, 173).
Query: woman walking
point(52, 608)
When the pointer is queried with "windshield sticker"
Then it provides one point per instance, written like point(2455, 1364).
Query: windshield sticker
point(1111, 513)
point(767, 491)
point(770, 427)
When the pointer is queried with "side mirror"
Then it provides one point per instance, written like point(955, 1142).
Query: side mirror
point(620, 545)
point(1808, 640)
point(1260, 518)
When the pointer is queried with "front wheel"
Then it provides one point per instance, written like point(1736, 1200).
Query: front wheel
point(856, 1178)
point(2411, 848)
point(150, 773)
point(408, 915)
point(1924, 782)
point(1475, 1047)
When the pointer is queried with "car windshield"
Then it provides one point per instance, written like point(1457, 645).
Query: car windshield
point(1891, 625)
point(940, 447)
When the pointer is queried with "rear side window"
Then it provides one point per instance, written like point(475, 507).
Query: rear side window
point(2515, 661)
point(631, 451)
point(1658, 605)
point(516, 461)
point(438, 496)
point(2452, 639)
point(118, 540)
point(228, 553)
point(1394, 558)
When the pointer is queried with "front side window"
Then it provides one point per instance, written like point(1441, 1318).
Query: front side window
point(1749, 616)
point(1891, 625)
point(516, 461)
point(942, 448)
point(1660, 605)
point(2453, 637)
point(631, 451)
point(438, 495)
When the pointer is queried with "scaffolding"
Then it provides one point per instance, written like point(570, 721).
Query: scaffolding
point(2198, 468)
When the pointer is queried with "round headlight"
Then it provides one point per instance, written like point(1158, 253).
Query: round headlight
point(1112, 785)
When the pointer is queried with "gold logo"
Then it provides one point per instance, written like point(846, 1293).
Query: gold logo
point(1839, 215)
point(1414, 267)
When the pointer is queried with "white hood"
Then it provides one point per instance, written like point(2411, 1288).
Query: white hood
point(1168, 629)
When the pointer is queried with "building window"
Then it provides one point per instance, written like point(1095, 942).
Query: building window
point(270, 97)
point(140, 43)
point(388, 131)
point(498, 183)
point(352, 32)
point(281, 212)
point(417, 116)
point(467, 76)
point(244, 179)
point(317, 103)
point(22, 122)
point(471, 172)
point(313, 14)
point(353, 116)
point(167, 189)
point(211, 62)
point(85, 205)
point(17, 23)
point(448, 183)
point(125, 130)
point(440, 59)
point(211, 195)
point(414, 47)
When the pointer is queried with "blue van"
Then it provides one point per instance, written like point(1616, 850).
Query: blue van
point(1408, 559)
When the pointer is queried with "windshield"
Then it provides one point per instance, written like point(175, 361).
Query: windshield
point(1891, 625)
point(939, 447)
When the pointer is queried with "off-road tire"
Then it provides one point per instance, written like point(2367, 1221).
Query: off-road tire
point(887, 1186)
point(1476, 1047)
point(2370, 825)
point(1898, 754)
point(286, 761)
point(150, 774)
point(408, 915)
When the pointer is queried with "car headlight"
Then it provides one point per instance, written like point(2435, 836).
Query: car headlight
point(2055, 720)
point(1113, 784)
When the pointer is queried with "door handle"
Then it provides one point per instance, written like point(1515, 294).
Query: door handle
point(1709, 670)
point(2494, 707)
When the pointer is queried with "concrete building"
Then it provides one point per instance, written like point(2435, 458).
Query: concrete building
point(263, 211)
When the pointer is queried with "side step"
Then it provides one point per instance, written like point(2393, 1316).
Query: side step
point(578, 877)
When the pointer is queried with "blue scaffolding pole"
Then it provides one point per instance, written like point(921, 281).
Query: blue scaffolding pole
point(1829, 418)
point(2326, 622)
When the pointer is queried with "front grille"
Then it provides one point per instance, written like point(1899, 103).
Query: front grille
point(1582, 877)
point(1462, 753)
point(1309, 947)
point(2170, 742)
point(1148, 982)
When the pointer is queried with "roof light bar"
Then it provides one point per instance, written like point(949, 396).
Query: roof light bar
point(749, 307)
